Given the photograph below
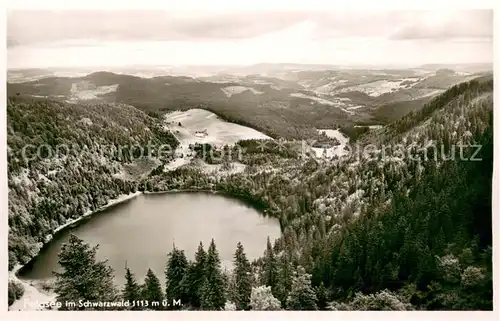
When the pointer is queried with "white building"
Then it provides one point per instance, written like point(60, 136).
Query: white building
point(201, 133)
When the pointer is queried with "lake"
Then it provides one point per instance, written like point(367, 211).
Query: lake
point(141, 232)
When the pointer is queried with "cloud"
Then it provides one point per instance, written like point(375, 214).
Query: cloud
point(472, 24)
point(159, 25)
point(29, 27)
point(88, 28)
point(360, 23)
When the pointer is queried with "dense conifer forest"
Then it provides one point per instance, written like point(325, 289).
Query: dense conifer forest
point(402, 226)
point(64, 160)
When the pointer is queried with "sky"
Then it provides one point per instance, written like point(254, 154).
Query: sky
point(38, 39)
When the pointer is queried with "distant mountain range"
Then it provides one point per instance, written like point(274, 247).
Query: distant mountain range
point(282, 100)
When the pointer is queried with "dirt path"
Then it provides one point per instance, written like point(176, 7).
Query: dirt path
point(32, 298)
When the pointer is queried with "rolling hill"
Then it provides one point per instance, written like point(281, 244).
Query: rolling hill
point(376, 230)
point(288, 102)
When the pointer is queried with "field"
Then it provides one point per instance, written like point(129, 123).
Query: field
point(333, 151)
point(233, 90)
point(185, 125)
point(90, 92)
point(380, 87)
point(338, 103)
point(219, 132)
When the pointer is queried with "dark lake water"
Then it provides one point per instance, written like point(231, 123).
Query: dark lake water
point(141, 232)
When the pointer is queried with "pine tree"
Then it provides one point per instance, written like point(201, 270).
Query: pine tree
point(242, 278)
point(83, 278)
point(212, 291)
point(174, 273)
point(302, 296)
point(322, 296)
point(132, 290)
point(270, 268)
point(194, 278)
point(152, 292)
point(230, 287)
point(285, 274)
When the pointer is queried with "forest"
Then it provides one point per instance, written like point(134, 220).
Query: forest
point(76, 170)
point(376, 231)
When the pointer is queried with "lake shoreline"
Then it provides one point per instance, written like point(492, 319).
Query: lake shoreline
point(34, 291)
point(264, 210)
point(18, 270)
point(33, 297)
point(127, 197)
point(34, 288)
point(73, 223)
point(120, 199)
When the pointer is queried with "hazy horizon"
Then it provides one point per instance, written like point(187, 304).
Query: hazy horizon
point(166, 66)
point(86, 39)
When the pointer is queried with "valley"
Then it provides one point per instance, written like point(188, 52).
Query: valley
point(282, 102)
point(250, 158)
point(336, 209)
